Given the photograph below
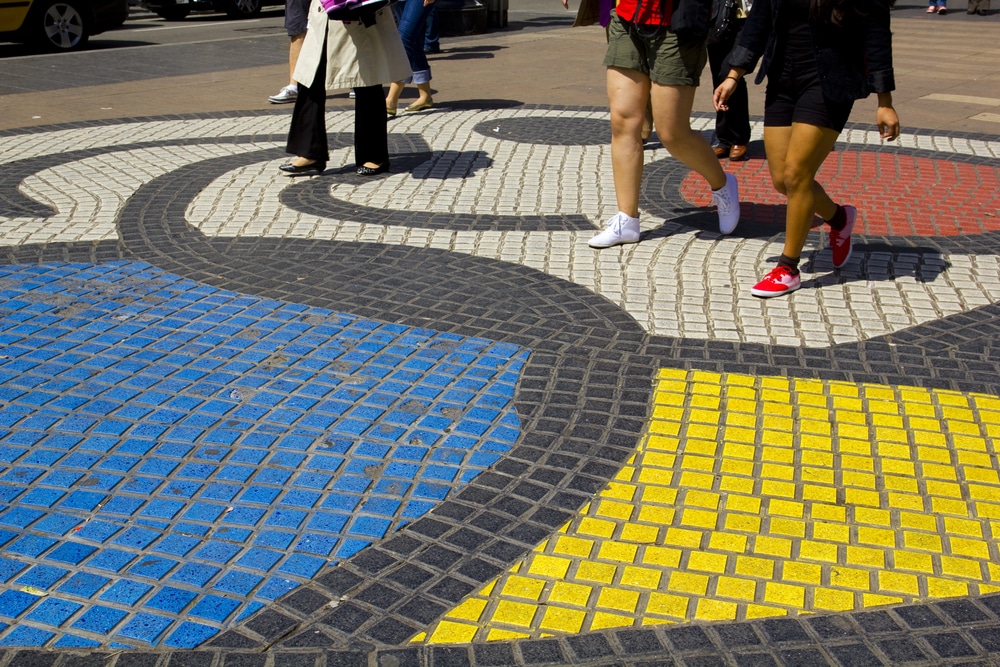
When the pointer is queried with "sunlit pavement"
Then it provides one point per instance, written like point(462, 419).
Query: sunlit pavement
point(416, 420)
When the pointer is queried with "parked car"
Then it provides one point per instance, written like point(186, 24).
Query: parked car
point(59, 25)
point(175, 10)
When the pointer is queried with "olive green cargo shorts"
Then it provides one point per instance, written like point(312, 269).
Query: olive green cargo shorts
point(656, 53)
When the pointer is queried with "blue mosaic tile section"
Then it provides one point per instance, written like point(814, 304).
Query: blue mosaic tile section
point(174, 456)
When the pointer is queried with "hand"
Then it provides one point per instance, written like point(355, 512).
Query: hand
point(888, 123)
point(722, 94)
point(565, 4)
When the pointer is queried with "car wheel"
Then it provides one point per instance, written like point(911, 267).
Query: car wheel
point(62, 26)
point(173, 13)
point(243, 9)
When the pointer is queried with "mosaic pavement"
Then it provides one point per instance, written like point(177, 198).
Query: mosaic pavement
point(416, 420)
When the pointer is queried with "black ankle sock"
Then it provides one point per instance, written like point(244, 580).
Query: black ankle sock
point(839, 219)
point(791, 262)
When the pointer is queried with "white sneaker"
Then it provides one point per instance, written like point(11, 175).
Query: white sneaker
point(620, 229)
point(351, 94)
point(727, 201)
point(287, 94)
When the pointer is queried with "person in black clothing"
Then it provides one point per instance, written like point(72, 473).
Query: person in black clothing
point(819, 56)
point(732, 126)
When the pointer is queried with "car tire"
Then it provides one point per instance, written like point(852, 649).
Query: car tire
point(61, 25)
point(173, 13)
point(243, 9)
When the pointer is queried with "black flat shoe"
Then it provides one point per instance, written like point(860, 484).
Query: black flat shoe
point(313, 169)
point(371, 171)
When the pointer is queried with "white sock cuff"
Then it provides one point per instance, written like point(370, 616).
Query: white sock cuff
point(628, 218)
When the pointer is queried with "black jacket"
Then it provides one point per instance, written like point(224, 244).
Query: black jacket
point(853, 61)
point(691, 19)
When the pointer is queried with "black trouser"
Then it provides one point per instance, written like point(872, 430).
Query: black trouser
point(307, 135)
point(733, 126)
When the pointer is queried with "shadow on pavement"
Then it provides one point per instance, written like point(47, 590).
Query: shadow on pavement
point(484, 104)
point(466, 53)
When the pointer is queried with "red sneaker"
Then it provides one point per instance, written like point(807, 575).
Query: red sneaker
point(840, 241)
point(779, 281)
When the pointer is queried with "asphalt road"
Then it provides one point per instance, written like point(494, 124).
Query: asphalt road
point(202, 43)
point(154, 47)
point(145, 29)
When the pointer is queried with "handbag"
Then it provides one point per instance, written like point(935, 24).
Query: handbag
point(724, 16)
point(352, 10)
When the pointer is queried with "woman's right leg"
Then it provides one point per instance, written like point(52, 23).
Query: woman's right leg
point(307, 134)
point(392, 97)
point(628, 96)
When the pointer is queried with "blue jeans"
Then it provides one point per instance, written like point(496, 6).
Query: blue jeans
point(432, 39)
point(938, 3)
point(412, 23)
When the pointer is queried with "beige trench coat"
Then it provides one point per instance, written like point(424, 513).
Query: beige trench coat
point(356, 56)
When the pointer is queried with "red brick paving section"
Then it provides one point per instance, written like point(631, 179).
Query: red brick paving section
point(896, 195)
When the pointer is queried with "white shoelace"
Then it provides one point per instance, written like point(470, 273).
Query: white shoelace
point(721, 199)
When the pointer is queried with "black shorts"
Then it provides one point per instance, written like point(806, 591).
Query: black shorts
point(797, 97)
point(296, 17)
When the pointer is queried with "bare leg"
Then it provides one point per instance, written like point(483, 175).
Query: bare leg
point(672, 119)
point(794, 155)
point(294, 47)
point(392, 98)
point(424, 90)
point(647, 122)
point(628, 93)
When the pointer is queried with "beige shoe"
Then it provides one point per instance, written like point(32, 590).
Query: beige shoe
point(419, 107)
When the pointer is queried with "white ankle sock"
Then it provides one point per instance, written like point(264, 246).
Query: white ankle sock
point(628, 218)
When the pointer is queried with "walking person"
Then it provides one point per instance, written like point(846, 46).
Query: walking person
point(937, 7)
point(981, 7)
point(296, 19)
point(363, 55)
point(732, 126)
point(656, 52)
point(432, 37)
point(412, 19)
point(819, 56)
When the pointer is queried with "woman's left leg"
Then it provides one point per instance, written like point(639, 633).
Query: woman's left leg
point(808, 147)
point(371, 140)
point(794, 155)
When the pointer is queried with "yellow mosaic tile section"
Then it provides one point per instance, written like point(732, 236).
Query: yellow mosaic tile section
point(754, 497)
